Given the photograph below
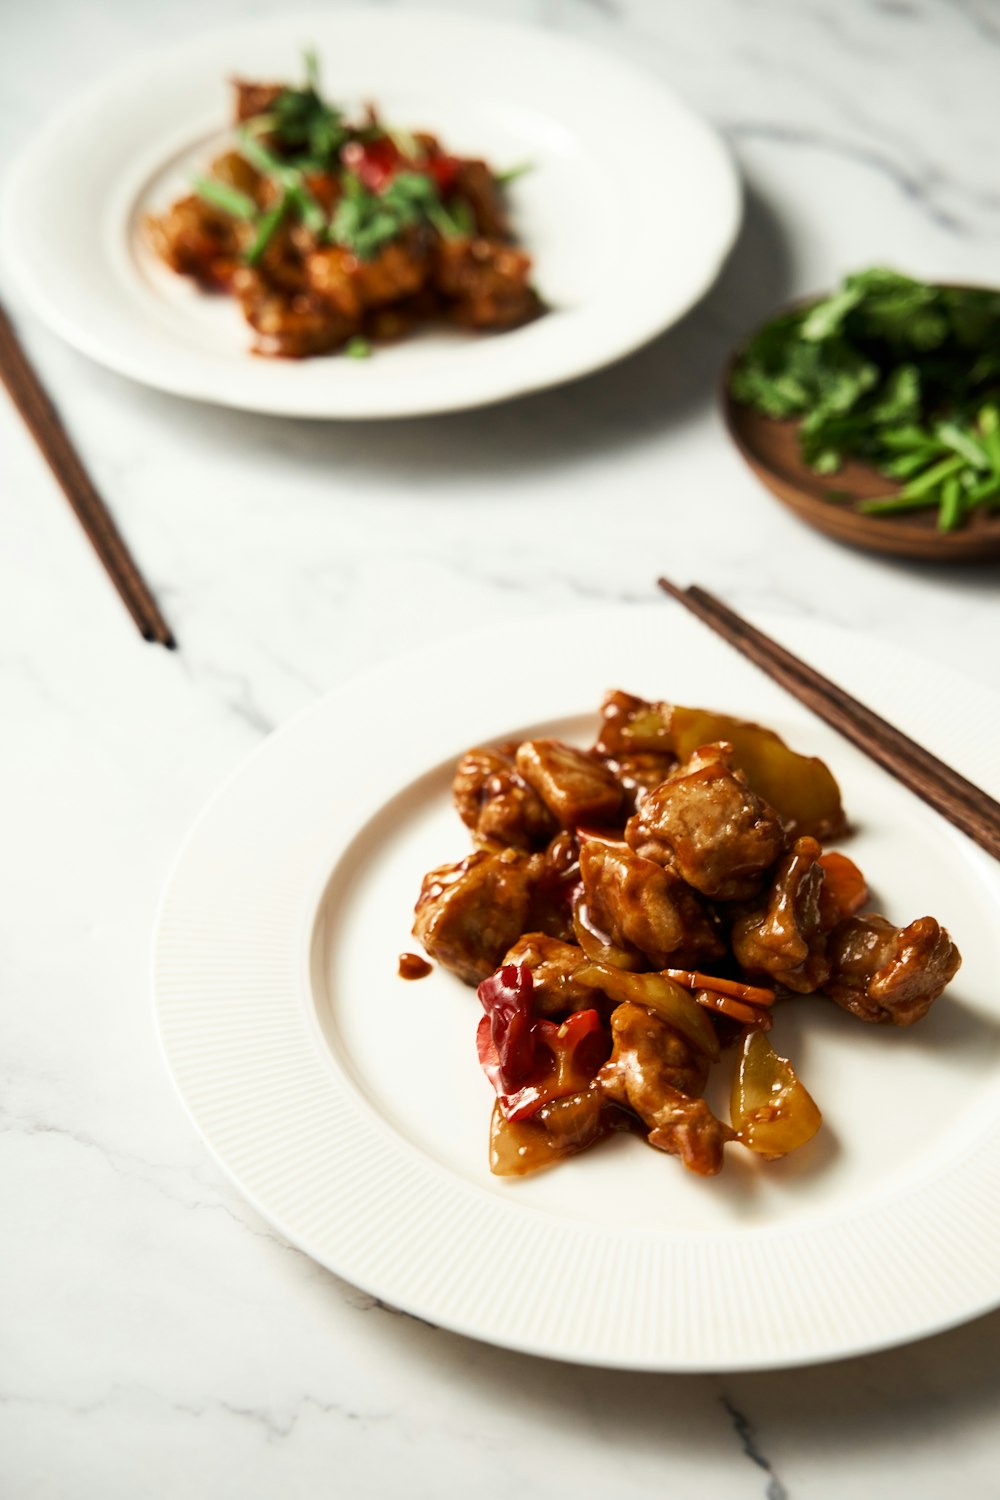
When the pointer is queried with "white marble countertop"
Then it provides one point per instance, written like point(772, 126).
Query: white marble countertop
point(157, 1337)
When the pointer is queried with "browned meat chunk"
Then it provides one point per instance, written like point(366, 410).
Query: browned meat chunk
point(706, 823)
point(890, 974)
point(476, 184)
point(574, 785)
point(556, 888)
point(654, 1072)
point(351, 286)
point(639, 905)
point(554, 966)
point(486, 282)
point(198, 240)
point(254, 98)
point(470, 913)
point(495, 801)
point(639, 774)
point(785, 938)
point(631, 726)
point(234, 170)
point(292, 324)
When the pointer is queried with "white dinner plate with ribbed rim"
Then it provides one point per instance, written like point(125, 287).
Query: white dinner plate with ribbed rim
point(629, 210)
point(348, 1104)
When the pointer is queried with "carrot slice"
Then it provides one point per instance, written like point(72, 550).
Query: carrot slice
point(747, 1015)
point(693, 979)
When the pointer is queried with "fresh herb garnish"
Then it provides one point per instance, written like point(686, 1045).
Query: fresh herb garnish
point(511, 174)
point(898, 373)
point(300, 120)
point(365, 221)
point(357, 348)
point(229, 199)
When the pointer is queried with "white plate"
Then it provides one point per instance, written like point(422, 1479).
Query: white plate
point(630, 210)
point(349, 1107)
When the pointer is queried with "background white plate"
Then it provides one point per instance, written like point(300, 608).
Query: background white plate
point(629, 212)
point(349, 1107)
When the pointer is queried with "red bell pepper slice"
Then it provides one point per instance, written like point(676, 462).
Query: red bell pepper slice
point(531, 1061)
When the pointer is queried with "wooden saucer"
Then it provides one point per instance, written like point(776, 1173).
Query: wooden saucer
point(771, 449)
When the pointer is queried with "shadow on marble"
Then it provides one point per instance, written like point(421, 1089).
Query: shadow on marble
point(662, 385)
point(932, 1389)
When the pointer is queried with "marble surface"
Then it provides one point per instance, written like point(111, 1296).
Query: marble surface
point(156, 1337)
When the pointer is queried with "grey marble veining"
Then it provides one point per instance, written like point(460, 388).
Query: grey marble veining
point(156, 1337)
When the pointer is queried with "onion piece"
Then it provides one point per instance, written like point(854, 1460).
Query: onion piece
point(659, 994)
point(772, 1111)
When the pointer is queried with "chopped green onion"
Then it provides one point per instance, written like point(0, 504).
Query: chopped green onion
point(931, 478)
point(962, 442)
point(511, 174)
point(266, 230)
point(229, 199)
point(986, 489)
point(989, 432)
point(357, 348)
point(889, 505)
point(952, 512)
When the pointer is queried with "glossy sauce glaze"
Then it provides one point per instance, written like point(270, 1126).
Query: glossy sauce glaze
point(412, 966)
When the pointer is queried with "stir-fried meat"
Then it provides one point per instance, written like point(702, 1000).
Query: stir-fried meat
point(289, 323)
point(476, 184)
point(654, 1072)
point(785, 937)
point(633, 726)
point(640, 905)
point(352, 286)
point(470, 913)
point(495, 801)
point(486, 282)
point(376, 230)
point(554, 966)
point(234, 170)
point(890, 974)
point(556, 886)
point(640, 773)
point(254, 98)
point(198, 240)
point(574, 785)
point(706, 823)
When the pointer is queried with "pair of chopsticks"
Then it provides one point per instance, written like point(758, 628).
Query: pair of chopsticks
point(964, 805)
point(43, 422)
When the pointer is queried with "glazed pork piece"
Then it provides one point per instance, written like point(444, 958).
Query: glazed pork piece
point(633, 726)
point(495, 801)
point(555, 967)
point(653, 905)
point(575, 785)
point(641, 906)
point(706, 824)
point(654, 1072)
point(890, 974)
point(785, 939)
point(469, 914)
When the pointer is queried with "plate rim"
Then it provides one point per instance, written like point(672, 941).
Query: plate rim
point(208, 386)
point(314, 879)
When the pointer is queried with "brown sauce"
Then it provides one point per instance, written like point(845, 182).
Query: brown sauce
point(412, 966)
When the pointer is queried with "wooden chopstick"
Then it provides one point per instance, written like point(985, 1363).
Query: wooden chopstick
point(43, 421)
point(963, 804)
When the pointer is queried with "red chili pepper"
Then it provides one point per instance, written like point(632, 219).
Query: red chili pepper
point(374, 163)
point(531, 1061)
point(444, 170)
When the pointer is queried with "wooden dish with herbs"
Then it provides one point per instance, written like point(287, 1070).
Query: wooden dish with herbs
point(874, 414)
